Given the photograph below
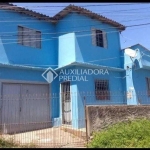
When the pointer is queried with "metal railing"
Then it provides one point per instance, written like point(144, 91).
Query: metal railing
point(48, 120)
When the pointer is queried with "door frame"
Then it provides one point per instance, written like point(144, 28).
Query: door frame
point(62, 117)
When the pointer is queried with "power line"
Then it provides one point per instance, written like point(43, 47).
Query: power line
point(78, 31)
point(99, 23)
point(138, 25)
point(77, 6)
point(99, 13)
point(72, 31)
point(52, 38)
point(86, 61)
point(78, 26)
point(88, 5)
point(102, 12)
point(85, 5)
point(124, 10)
point(105, 59)
point(33, 21)
point(60, 20)
point(63, 20)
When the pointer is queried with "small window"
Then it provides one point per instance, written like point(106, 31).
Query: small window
point(99, 38)
point(102, 90)
point(29, 37)
point(148, 86)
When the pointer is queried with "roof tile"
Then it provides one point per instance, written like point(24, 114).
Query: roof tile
point(61, 14)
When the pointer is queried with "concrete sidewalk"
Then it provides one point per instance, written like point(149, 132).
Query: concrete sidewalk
point(50, 137)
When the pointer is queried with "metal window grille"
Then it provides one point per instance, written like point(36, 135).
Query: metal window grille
point(99, 38)
point(102, 90)
point(29, 37)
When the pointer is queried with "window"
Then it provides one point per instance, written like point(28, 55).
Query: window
point(102, 90)
point(148, 86)
point(99, 38)
point(29, 37)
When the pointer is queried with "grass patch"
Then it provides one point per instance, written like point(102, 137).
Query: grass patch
point(9, 143)
point(130, 134)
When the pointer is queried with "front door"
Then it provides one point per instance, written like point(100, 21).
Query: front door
point(66, 103)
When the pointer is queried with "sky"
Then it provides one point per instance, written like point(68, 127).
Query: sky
point(128, 14)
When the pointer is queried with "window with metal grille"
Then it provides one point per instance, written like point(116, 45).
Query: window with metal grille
point(148, 86)
point(99, 38)
point(102, 90)
point(29, 37)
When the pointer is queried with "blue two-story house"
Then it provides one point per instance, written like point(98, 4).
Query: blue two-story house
point(77, 48)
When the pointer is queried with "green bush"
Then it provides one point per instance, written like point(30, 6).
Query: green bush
point(9, 143)
point(130, 134)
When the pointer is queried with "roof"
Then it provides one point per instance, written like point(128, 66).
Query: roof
point(11, 7)
point(137, 45)
point(61, 14)
point(21, 67)
point(84, 64)
point(80, 10)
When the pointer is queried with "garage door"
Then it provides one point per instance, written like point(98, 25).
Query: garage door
point(25, 107)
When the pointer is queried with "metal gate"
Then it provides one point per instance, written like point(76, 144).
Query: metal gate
point(25, 107)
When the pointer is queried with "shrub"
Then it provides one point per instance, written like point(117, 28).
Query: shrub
point(9, 143)
point(130, 134)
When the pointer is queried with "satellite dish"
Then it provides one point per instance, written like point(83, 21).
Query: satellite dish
point(130, 52)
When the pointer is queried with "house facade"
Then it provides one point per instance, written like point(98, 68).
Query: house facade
point(137, 76)
point(80, 47)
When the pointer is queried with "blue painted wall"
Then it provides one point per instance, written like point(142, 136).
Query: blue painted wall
point(117, 95)
point(86, 88)
point(55, 98)
point(71, 41)
point(62, 48)
point(85, 51)
point(18, 54)
point(28, 75)
point(21, 74)
point(66, 52)
point(140, 73)
point(140, 85)
point(145, 59)
point(136, 75)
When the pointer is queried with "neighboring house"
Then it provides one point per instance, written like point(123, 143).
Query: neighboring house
point(74, 39)
point(138, 76)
